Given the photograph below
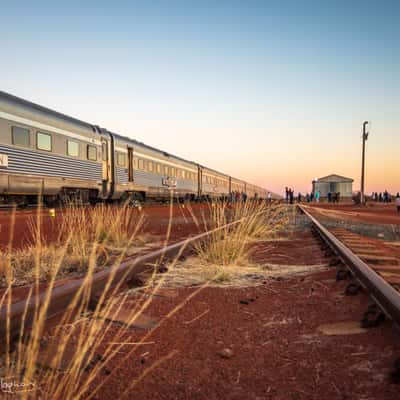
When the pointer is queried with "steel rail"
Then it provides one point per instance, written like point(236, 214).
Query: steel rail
point(385, 296)
point(62, 295)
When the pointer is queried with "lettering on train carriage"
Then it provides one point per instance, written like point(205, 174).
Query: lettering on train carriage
point(3, 160)
point(169, 182)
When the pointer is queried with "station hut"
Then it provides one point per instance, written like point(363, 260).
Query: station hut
point(333, 184)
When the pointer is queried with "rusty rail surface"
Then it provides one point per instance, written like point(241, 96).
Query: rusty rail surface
point(382, 293)
point(63, 294)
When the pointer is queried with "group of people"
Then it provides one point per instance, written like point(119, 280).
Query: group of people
point(384, 197)
point(236, 196)
point(309, 197)
point(289, 195)
point(333, 197)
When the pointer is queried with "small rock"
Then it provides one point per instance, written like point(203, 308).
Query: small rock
point(162, 269)
point(226, 353)
point(244, 302)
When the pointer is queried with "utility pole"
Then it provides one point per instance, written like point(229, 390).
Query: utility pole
point(364, 139)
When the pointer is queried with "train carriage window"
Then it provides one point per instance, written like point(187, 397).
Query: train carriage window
point(43, 141)
point(20, 136)
point(135, 162)
point(166, 172)
point(145, 165)
point(173, 171)
point(72, 148)
point(91, 153)
point(141, 164)
point(158, 168)
point(150, 166)
point(121, 159)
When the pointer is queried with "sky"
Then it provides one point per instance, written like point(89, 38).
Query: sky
point(273, 92)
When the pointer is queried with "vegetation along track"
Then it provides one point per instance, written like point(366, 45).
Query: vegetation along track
point(56, 302)
point(372, 266)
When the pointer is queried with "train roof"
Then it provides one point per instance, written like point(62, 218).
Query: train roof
point(165, 153)
point(44, 110)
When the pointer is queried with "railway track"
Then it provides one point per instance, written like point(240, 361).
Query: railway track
point(24, 311)
point(371, 265)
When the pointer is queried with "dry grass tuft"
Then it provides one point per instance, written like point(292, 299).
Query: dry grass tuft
point(111, 228)
point(230, 245)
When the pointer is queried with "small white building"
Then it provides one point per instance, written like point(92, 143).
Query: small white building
point(333, 184)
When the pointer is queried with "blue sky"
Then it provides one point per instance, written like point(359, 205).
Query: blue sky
point(273, 92)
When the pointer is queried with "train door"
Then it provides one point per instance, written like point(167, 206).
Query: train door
point(130, 164)
point(199, 181)
point(105, 170)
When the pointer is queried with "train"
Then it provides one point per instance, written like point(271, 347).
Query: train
point(57, 158)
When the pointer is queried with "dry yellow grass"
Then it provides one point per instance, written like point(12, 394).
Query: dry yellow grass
point(230, 245)
point(110, 227)
point(83, 332)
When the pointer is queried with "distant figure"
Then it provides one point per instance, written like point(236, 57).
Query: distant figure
point(329, 197)
point(299, 197)
point(269, 197)
point(291, 193)
point(237, 197)
point(317, 196)
point(311, 196)
point(244, 197)
point(337, 197)
point(307, 198)
point(380, 198)
point(398, 202)
point(386, 197)
point(287, 194)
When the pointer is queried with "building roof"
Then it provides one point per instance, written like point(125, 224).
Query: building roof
point(334, 178)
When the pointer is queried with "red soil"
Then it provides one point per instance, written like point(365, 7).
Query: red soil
point(373, 213)
point(157, 217)
point(277, 351)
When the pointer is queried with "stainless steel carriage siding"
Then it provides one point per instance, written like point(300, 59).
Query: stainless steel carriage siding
point(43, 151)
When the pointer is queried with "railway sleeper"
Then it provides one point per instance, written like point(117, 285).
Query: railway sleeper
point(396, 372)
point(342, 274)
point(335, 262)
point(373, 317)
point(353, 288)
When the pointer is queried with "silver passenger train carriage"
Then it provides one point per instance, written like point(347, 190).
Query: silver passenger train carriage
point(62, 158)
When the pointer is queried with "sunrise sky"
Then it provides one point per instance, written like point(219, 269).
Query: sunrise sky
point(271, 92)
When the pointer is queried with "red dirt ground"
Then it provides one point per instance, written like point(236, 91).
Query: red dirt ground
point(156, 222)
point(373, 213)
point(278, 353)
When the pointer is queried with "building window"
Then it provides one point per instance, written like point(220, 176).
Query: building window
point(72, 148)
point(43, 141)
point(150, 166)
point(92, 153)
point(20, 136)
point(121, 159)
point(158, 167)
point(135, 163)
point(166, 172)
point(141, 164)
point(173, 171)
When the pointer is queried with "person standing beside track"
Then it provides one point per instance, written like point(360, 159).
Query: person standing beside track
point(398, 202)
